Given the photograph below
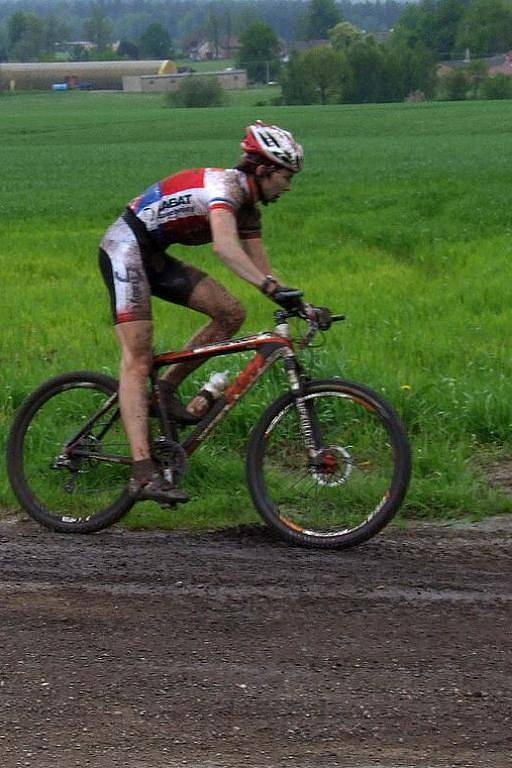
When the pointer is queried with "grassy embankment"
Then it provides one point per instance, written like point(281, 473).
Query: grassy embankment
point(401, 220)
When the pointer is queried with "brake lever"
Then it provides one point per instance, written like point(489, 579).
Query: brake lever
point(313, 325)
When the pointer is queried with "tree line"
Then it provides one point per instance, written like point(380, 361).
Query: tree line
point(329, 59)
point(29, 29)
point(358, 67)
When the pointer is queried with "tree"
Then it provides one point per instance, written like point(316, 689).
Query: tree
point(16, 28)
point(98, 28)
point(213, 30)
point(127, 50)
point(432, 23)
point(320, 17)
point(476, 72)
point(486, 27)
point(295, 84)
point(326, 71)
point(197, 92)
point(319, 75)
point(259, 52)
point(412, 68)
point(343, 35)
point(56, 31)
point(155, 42)
point(497, 87)
point(367, 71)
point(454, 85)
point(26, 37)
point(370, 74)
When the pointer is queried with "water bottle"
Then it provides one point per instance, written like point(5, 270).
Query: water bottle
point(216, 384)
point(210, 391)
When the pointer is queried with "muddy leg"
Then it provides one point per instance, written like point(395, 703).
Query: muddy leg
point(226, 317)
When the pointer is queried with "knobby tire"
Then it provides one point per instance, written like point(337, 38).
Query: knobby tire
point(362, 474)
point(42, 423)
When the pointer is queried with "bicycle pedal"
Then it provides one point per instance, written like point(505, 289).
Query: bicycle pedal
point(172, 504)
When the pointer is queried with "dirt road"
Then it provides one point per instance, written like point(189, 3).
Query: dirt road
point(158, 650)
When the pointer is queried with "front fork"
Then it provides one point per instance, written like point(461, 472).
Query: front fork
point(309, 424)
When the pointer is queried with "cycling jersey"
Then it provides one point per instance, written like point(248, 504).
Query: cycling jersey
point(176, 209)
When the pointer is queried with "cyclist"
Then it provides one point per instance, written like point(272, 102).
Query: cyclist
point(190, 208)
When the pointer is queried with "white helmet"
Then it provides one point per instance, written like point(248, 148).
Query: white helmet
point(274, 144)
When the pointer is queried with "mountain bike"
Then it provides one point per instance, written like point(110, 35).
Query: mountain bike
point(328, 462)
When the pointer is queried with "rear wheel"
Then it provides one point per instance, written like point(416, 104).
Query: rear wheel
point(68, 459)
point(350, 486)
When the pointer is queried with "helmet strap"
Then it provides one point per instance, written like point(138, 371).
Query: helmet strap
point(261, 196)
point(257, 170)
point(263, 172)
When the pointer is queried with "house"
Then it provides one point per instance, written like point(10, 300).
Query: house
point(206, 50)
point(70, 48)
point(299, 46)
point(500, 64)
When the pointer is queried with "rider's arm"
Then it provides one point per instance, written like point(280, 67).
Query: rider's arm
point(257, 253)
point(227, 246)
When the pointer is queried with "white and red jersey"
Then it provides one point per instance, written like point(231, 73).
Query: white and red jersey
point(176, 209)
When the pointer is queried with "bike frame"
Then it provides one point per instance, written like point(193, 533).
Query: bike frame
point(269, 348)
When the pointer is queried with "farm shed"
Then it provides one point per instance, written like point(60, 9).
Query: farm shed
point(101, 75)
point(230, 79)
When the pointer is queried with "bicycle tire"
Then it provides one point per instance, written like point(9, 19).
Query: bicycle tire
point(32, 445)
point(282, 481)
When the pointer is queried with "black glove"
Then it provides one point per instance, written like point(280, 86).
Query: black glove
point(288, 298)
point(323, 317)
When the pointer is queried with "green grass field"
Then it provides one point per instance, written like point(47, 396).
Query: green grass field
point(401, 220)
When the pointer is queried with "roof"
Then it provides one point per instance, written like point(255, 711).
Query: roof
point(500, 62)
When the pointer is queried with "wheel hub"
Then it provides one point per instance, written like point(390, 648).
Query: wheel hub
point(331, 466)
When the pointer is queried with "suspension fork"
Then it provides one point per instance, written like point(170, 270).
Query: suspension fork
point(310, 426)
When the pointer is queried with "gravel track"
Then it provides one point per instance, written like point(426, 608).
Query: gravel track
point(159, 650)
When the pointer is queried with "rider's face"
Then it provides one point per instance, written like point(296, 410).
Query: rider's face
point(275, 184)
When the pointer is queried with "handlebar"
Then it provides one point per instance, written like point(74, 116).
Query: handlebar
point(302, 309)
point(282, 315)
point(317, 318)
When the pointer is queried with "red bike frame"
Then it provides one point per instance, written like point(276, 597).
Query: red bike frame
point(269, 347)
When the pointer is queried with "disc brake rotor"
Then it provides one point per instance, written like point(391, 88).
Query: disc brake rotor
point(332, 466)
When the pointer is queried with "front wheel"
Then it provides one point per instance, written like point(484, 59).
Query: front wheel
point(345, 489)
point(68, 460)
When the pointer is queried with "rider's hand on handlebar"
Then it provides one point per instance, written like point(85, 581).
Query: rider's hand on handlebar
point(287, 298)
point(322, 316)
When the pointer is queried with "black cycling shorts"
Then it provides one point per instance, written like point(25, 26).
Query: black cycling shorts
point(133, 274)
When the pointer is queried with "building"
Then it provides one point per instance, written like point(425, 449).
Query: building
point(230, 79)
point(99, 75)
point(205, 50)
point(500, 64)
